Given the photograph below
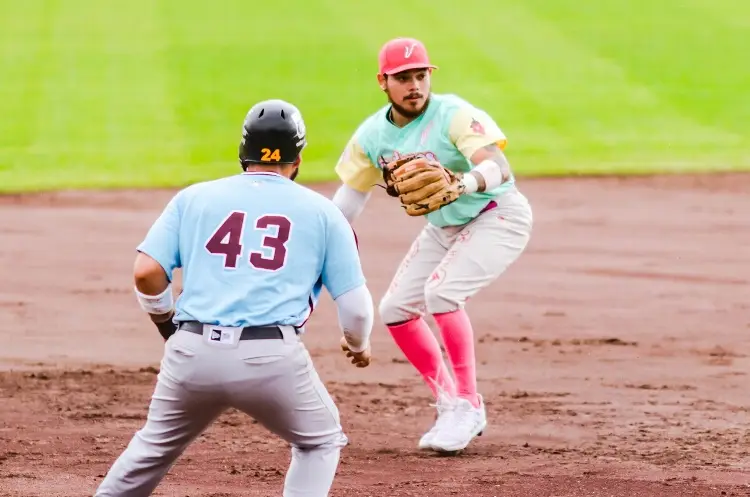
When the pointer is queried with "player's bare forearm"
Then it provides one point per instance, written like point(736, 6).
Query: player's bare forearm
point(151, 281)
point(490, 159)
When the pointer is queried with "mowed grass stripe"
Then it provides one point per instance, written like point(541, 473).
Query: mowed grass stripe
point(692, 62)
point(491, 66)
point(352, 52)
point(24, 44)
point(556, 120)
point(310, 65)
point(537, 98)
point(589, 99)
point(153, 93)
point(72, 130)
point(626, 125)
point(212, 75)
point(464, 67)
point(729, 13)
point(148, 124)
point(48, 118)
point(105, 117)
point(726, 61)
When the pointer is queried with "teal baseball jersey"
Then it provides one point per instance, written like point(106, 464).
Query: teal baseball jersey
point(449, 131)
point(255, 249)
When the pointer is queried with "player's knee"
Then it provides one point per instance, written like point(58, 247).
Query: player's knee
point(334, 440)
point(392, 310)
point(439, 298)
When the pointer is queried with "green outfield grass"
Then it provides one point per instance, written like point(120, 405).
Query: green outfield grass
point(153, 92)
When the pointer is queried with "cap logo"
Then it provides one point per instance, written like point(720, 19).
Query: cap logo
point(409, 49)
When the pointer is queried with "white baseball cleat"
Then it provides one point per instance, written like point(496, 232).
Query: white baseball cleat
point(464, 423)
point(444, 406)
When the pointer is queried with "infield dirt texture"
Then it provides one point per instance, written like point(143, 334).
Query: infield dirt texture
point(613, 355)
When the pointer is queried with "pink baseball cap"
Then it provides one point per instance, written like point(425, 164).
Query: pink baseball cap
point(402, 54)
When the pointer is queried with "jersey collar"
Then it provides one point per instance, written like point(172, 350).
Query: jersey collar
point(261, 173)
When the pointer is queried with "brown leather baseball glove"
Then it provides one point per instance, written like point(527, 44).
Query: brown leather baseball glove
point(422, 185)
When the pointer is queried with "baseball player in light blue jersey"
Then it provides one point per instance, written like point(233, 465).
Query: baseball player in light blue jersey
point(255, 250)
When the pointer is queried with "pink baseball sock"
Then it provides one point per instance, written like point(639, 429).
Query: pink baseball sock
point(458, 337)
point(422, 350)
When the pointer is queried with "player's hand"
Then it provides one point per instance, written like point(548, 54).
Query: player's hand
point(359, 359)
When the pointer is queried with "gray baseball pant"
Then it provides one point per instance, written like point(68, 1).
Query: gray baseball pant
point(272, 380)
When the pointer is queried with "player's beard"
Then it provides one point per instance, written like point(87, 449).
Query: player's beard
point(411, 114)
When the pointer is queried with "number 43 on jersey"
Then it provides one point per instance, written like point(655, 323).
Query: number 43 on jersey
point(226, 241)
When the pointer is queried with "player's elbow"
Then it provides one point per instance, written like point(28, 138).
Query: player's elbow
point(350, 202)
point(355, 310)
point(358, 308)
point(361, 318)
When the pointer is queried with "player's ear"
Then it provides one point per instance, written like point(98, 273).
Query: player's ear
point(381, 81)
point(295, 167)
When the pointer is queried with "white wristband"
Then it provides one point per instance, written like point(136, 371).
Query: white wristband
point(492, 174)
point(470, 183)
point(156, 304)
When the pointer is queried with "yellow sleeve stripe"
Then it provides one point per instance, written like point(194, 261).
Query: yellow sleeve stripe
point(355, 169)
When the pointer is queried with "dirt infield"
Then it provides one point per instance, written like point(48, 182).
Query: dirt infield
point(613, 354)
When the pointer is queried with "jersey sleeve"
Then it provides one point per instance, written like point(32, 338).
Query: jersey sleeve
point(355, 169)
point(342, 268)
point(472, 128)
point(162, 242)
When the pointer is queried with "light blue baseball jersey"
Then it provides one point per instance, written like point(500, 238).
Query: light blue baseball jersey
point(450, 131)
point(255, 249)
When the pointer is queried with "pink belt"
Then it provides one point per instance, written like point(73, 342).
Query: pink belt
point(489, 206)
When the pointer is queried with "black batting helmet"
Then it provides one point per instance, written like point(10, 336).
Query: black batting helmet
point(273, 133)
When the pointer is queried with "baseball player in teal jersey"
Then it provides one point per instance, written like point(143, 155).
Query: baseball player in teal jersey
point(465, 245)
point(255, 249)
